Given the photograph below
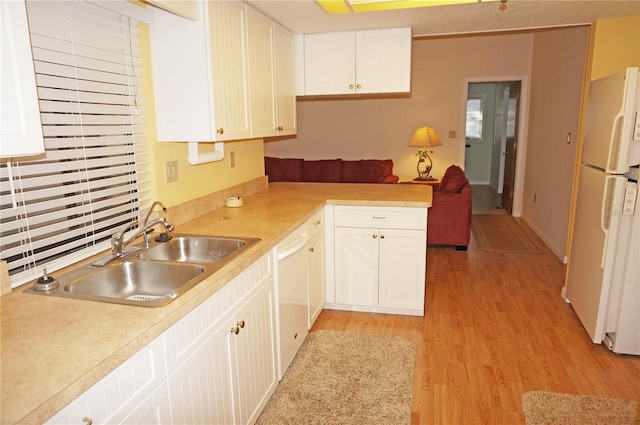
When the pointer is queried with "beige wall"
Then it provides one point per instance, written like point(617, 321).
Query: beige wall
point(381, 128)
point(559, 57)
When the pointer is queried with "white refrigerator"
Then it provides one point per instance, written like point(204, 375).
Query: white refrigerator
point(603, 279)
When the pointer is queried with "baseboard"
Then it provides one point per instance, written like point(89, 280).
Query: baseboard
point(561, 255)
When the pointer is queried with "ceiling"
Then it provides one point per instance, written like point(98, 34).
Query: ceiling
point(307, 16)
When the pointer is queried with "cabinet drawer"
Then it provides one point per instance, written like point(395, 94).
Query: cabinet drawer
point(381, 217)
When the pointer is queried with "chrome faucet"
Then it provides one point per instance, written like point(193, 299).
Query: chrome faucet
point(117, 240)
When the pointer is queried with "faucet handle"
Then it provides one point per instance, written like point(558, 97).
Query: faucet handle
point(116, 244)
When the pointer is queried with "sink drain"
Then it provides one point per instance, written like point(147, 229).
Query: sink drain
point(143, 297)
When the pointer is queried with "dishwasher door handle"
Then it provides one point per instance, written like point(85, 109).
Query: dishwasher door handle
point(289, 252)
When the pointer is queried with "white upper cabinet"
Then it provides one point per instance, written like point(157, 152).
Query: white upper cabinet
point(199, 74)
point(285, 82)
point(330, 63)
point(20, 125)
point(371, 61)
point(220, 78)
point(261, 84)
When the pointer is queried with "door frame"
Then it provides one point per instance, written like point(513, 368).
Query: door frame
point(521, 152)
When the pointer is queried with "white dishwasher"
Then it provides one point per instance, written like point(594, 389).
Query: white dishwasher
point(292, 294)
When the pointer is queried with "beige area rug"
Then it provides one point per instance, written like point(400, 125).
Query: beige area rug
point(546, 408)
point(500, 233)
point(345, 378)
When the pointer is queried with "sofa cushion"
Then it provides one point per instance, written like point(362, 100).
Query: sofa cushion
point(366, 170)
point(453, 180)
point(323, 170)
point(283, 169)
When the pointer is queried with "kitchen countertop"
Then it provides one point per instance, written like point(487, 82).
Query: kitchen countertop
point(53, 349)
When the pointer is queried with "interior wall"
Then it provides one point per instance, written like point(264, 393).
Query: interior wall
point(616, 45)
point(381, 127)
point(559, 57)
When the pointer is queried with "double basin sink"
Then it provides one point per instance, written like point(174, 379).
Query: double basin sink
point(150, 277)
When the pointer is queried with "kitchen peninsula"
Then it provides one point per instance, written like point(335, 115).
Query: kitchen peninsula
point(54, 349)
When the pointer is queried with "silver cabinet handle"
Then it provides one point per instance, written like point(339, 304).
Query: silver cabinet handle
point(351, 86)
point(220, 130)
point(311, 249)
point(358, 86)
point(381, 236)
point(87, 421)
point(375, 236)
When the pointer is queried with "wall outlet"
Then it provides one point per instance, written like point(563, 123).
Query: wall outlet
point(232, 159)
point(452, 134)
point(171, 171)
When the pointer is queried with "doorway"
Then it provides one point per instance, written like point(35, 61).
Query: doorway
point(493, 127)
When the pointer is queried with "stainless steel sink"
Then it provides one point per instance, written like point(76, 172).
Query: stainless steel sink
point(149, 277)
point(195, 249)
point(138, 281)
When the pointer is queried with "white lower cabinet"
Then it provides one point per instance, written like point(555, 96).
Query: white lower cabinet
point(315, 249)
point(380, 259)
point(217, 365)
point(222, 356)
point(135, 392)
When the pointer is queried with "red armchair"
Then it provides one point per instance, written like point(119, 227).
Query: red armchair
point(449, 219)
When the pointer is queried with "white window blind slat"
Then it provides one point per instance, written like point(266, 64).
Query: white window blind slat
point(93, 178)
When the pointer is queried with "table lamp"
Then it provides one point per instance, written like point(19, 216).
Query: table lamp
point(424, 138)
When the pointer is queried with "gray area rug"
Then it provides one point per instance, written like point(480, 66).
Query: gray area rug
point(346, 378)
point(547, 408)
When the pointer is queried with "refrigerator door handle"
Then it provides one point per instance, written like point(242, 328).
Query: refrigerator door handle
point(605, 216)
point(616, 144)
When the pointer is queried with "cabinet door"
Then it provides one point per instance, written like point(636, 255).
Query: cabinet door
point(329, 63)
point(315, 249)
point(261, 71)
point(227, 59)
point(132, 393)
point(402, 269)
point(285, 82)
point(200, 389)
point(383, 60)
point(20, 128)
point(253, 356)
point(356, 266)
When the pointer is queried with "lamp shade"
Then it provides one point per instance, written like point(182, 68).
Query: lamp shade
point(425, 137)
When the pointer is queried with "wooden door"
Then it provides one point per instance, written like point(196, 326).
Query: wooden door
point(511, 147)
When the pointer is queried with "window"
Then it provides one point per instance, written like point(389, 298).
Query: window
point(93, 178)
point(474, 118)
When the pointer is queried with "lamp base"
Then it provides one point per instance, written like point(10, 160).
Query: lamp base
point(424, 179)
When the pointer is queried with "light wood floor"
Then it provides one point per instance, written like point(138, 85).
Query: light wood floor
point(495, 327)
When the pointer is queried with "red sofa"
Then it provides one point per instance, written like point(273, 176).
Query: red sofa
point(329, 170)
point(449, 219)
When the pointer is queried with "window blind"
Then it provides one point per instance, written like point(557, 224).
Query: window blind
point(93, 178)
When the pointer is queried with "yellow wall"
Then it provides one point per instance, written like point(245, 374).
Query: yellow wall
point(194, 181)
point(616, 45)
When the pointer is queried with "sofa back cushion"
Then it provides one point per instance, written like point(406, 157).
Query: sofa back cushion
point(283, 169)
point(453, 180)
point(366, 170)
point(323, 170)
